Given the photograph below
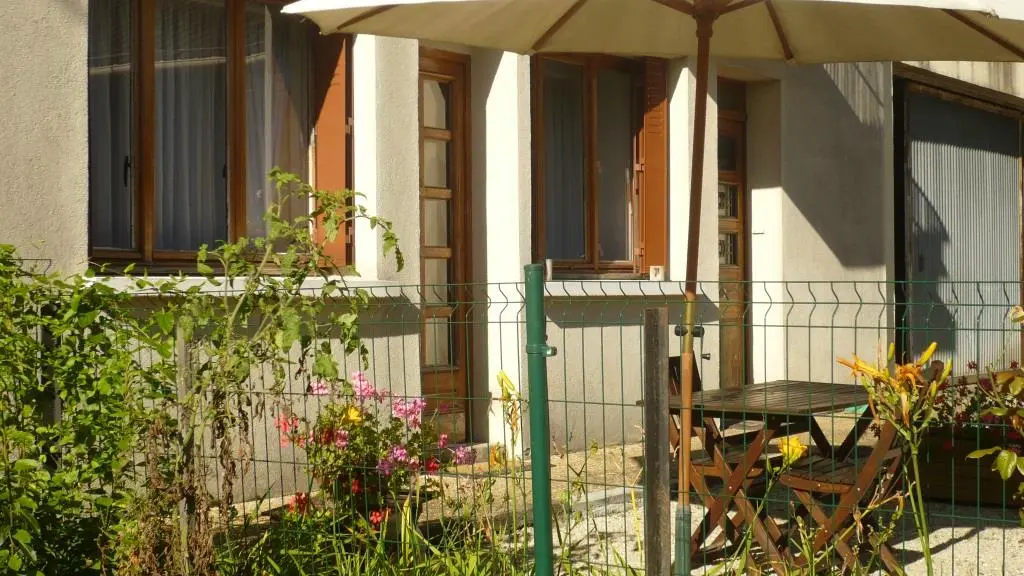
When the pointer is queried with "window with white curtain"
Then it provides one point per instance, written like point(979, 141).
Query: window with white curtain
point(171, 67)
point(585, 138)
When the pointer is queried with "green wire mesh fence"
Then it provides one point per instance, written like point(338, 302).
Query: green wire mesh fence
point(464, 349)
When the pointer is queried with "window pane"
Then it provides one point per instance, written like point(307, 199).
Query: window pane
point(436, 98)
point(615, 164)
point(435, 279)
point(437, 340)
point(726, 152)
point(435, 163)
point(727, 200)
point(728, 249)
point(191, 124)
point(111, 203)
point(565, 211)
point(435, 222)
point(278, 62)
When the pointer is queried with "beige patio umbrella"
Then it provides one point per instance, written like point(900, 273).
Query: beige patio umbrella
point(798, 31)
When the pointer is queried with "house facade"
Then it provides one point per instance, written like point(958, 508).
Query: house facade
point(137, 131)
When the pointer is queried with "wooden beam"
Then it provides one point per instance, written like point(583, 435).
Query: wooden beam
point(368, 14)
point(1013, 48)
point(684, 6)
point(732, 6)
point(562, 20)
point(779, 30)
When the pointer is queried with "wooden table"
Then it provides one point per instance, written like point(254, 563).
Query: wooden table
point(785, 407)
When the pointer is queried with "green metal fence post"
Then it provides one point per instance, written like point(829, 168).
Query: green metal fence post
point(537, 353)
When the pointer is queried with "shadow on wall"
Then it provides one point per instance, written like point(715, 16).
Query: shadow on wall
point(596, 379)
point(833, 147)
point(928, 318)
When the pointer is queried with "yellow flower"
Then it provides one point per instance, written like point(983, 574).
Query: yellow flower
point(792, 449)
point(927, 354)
point(352, 415)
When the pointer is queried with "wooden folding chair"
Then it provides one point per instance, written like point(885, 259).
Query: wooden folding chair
point(855, 481)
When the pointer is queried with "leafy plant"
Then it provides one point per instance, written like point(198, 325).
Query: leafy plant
point(72, 402)
point(905, 397)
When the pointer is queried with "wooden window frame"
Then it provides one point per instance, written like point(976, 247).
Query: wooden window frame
point(143, 62)
point(591, 264)
point(649, 193)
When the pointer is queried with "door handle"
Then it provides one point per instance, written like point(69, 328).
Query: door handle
point(706, 355)
point(126, 171)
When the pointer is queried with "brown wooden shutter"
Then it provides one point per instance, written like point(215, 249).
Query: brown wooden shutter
point(331, 154)
point(654, 161)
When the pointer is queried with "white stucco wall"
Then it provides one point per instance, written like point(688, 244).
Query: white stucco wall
point(44, 178)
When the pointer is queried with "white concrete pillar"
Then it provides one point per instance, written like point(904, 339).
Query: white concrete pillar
point(501, 230)
point(385, 119)
point(386, 158)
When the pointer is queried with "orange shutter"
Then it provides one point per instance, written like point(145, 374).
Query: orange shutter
point(331, 154)
point(654, 159)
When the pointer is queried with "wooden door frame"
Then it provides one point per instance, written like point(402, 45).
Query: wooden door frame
point(454, 68)
point(737, 121)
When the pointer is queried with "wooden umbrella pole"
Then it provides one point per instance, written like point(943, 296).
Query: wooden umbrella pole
point(705, 22)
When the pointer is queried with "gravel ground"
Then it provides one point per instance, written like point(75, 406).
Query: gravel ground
point(978, 543)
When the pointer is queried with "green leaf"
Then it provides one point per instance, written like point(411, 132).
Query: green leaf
point(26, 503)
point(1016, 385)
point(204, 269)
point(23, 536)
point(26, 464)
point(998, 411)
point(983, 452)
point(165, 320)
point(324, 366)
point(88, 318)
point(1005, 463)
point(105, 501)
point(14, 562)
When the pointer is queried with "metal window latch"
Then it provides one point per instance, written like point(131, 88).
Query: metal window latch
point(698, 331)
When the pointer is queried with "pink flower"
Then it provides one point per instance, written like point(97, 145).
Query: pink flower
point(362, 387)
point(341, 438)
point(285, 425)
point(319, 388)
point(433, 465)
point(399, 455)
point(1014, 365)
point(464, 455)
point(299, 504)
point(442, 441)
point(385, 467)
point(409, 411)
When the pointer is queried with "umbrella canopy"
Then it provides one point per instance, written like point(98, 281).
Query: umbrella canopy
point(803, 31)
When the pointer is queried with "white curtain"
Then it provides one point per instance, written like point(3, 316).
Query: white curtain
point(615, 164)
point(191, 124)
point(278, 65)
point(565, 214)
point(111, 210)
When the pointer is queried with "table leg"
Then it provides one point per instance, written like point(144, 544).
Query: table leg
point(766, 533)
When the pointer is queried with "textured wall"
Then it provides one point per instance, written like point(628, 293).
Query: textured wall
point(44, 164)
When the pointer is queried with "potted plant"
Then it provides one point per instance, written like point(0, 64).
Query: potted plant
point(964, 425)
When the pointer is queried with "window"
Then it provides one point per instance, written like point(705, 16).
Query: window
point(600, 144)
point(191, 103)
